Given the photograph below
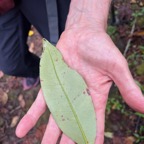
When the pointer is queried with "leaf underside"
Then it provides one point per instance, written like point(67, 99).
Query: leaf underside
point(66, 96)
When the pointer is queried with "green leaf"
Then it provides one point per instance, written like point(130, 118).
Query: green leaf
point(140, 69)
point(66, 95)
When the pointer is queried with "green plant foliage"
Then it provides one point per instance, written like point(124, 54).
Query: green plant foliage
point(139, 135)
point(116, 104)
point(139, 114)
point(66, 95)
point(138, 13)
point(112, 31)
point(140, 69)
point(141, 48)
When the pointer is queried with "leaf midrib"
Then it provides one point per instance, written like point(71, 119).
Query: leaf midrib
point(73, 111)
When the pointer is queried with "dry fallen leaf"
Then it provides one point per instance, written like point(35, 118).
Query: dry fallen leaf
point(14, 121)
point(3, 97)
point(21, 101)
point(133, 1)
point(108, 135)
point(123, 140)
point(139, 33)
point(129, 140)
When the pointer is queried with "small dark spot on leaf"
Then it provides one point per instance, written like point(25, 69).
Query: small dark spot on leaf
point(63, 119)
point(74, 98)
point(84, 92)
point(88, 91)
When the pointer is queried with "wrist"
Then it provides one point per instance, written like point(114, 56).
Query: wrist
point(88, 13)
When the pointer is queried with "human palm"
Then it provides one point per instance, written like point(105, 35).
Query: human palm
point(92, 54)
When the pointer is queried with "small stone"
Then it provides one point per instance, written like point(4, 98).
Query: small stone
point(3, 97)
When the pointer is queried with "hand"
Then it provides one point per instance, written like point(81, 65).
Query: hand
point(92, 53)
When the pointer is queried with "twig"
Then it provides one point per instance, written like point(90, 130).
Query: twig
point(129, 41)
point(137, 124)
point(17, 108)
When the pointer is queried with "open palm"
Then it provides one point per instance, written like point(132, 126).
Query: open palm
point(92, 54)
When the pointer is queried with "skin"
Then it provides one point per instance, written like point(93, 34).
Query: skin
point(88, 49)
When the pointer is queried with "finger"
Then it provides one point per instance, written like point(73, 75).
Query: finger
point(128, 88)
point(52, 132)
point(99, 101)
point(32, 116)
point(66, 140)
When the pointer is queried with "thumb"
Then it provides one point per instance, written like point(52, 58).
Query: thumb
point(128, 88)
